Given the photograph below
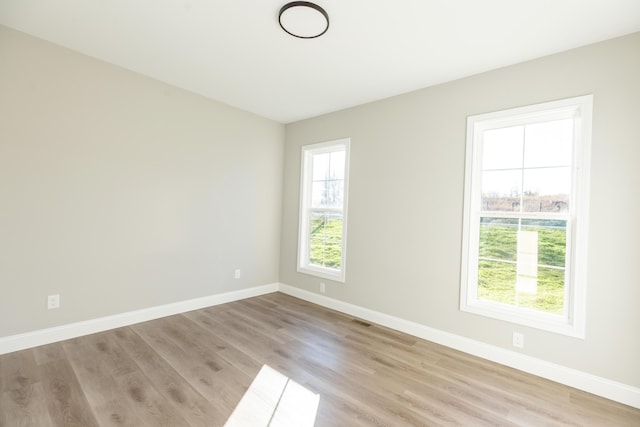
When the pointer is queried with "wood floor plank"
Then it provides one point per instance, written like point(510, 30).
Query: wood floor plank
point(170, 383)
point(393, 370)
point(239, 335)
point(193, 369)
point(148, 404)
point(326, 380)
point(25, 407)
point(18, 371)
point(118, 413)
point(225, 350)
point(96, 365)
point(48, 353)
point(524, 394)
point(22, 399)
point(66, 401)
point(211, 375)
point(105, 354)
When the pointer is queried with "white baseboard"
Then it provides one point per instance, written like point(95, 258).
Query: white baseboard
point(46, 336)
point(623, 393)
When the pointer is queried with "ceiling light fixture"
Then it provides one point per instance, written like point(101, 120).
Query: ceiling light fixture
point(303, 19)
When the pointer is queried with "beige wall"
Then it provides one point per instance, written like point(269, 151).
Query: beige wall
point(406, 197)
point(119, 192)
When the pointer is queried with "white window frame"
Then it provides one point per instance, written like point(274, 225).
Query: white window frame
point(304, 266)
point(572, 323)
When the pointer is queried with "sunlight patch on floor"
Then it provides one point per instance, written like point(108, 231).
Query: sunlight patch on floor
point(274, 400)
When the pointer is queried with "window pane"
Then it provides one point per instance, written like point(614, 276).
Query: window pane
point(316, 251)
point(527, 282)
point(527, 264)
point(320, 166)
point(548, 296)
point(336, 166)
point(333, 254)
point(501, 190)
point(333, 229)
point(497, 282)
point(325, 253)
point(325, 244)
point(547, 189)
point(317, 225)
point(502, 148)
point(548, 144)
point(498, 238)
point(325, 225)
point(552, 240)
point(327, 194)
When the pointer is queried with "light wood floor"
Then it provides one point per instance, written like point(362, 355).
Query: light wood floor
point(192, 369)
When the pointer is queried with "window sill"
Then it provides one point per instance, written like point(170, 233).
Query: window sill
point(530, 318)
point(324, 273)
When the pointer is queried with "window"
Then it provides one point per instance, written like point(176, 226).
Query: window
point(525, 218)
point(323, 209)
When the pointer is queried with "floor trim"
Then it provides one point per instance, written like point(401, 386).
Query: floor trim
point(603, 387)
point(73, 330)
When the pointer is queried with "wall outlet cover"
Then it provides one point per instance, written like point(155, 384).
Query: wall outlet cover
point(518, 340)
point(53, 301)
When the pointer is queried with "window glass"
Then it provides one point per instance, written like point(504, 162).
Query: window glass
point(502, 148)
point(549, 144)
point(546, 189)
point(501, 190)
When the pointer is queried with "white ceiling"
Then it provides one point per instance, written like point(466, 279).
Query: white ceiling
point(235, 52)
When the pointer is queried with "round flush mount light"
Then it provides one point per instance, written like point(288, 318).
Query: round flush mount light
point(303, 19)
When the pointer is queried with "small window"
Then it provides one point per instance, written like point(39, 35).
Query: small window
point(525, 219)
point(323, 209)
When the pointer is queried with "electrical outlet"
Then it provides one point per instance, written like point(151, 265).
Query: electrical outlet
point(518, 340)
point(236, 274)
point(53, 301)
point(322, 287)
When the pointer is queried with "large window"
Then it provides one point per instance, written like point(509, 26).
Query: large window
point(323, 209)
point(525, 219)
